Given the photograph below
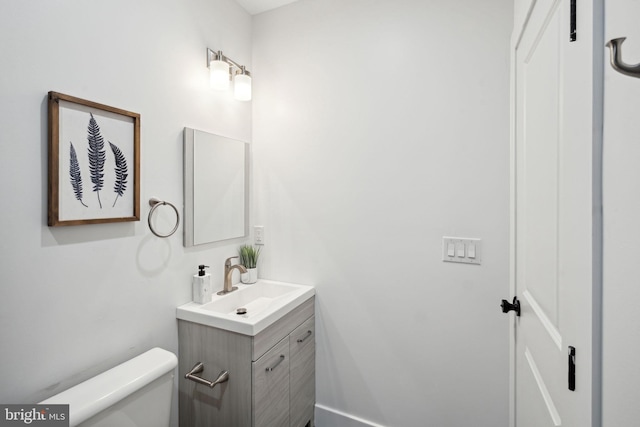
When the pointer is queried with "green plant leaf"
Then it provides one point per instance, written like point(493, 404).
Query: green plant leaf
point(249, 256)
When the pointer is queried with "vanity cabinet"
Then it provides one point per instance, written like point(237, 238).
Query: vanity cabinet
point(271, 375)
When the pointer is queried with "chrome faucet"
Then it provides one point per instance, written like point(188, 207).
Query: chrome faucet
point(228, 273)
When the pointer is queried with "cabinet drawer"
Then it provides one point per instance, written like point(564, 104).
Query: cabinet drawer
point(271, 387)
point(282, 328)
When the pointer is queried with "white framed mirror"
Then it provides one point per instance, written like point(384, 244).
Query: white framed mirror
point(216, 188)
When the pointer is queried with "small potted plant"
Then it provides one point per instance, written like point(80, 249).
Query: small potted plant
point(249, 259)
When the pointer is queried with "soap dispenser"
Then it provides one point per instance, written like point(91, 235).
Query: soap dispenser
point(201, 286)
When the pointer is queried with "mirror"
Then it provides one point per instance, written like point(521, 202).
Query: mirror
point(216, 188)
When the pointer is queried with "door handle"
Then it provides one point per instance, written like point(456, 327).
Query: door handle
point(616, 59)
point(507, 306)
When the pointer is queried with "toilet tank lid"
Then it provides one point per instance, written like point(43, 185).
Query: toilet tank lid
point(104, 390)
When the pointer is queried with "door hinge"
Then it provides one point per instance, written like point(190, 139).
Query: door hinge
point(572, 33)
point(572, 368)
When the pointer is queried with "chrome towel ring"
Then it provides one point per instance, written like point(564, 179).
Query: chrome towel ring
point(154, 203)
point(616, 59)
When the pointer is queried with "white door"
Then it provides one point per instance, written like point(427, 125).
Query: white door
point(556, 245)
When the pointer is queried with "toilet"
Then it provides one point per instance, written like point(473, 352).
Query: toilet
point(136, 393)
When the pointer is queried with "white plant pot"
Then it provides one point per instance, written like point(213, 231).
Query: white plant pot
point(251, 276)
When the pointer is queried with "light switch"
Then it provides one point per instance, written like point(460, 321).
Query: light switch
point(471, 251)
point(451, 250)
point(463, 250)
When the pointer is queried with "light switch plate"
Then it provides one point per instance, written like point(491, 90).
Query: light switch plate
point(462, 245)
point(258, 234)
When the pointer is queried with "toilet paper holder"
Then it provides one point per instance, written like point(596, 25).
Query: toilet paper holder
point(223, 376)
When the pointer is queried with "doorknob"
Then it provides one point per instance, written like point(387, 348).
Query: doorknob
point(507, 306)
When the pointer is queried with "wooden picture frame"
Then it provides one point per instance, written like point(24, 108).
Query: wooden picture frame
point(94, 162)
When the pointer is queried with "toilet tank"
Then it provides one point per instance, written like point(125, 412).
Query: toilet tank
point(136, 393)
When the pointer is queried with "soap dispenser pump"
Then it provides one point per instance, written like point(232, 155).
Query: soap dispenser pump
point(201, 286)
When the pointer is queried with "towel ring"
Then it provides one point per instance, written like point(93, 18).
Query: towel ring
point(154, 203)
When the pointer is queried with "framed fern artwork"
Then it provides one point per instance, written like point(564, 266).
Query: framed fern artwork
point(94, 162)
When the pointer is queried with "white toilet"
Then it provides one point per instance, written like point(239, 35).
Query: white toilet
point(136, 393)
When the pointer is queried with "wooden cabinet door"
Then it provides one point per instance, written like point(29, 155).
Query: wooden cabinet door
point(271, 387)
point(302, 372)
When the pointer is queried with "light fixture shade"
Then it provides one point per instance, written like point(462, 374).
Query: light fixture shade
point(242, 87)
point(219, 75)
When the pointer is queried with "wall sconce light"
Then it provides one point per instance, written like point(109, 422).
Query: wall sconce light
point(221, 73)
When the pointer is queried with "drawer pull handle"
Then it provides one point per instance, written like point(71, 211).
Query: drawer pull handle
point(199, 367)
point(305, 337)
point(277, 363)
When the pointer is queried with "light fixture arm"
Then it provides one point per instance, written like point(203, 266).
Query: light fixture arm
point(218, 56)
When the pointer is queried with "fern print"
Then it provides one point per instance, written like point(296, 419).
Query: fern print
point(97, 156)
point(121, 172)
point(74, 173)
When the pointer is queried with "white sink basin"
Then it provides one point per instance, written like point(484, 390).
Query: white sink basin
point(265, 302)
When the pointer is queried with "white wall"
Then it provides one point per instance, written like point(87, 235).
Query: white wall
point(79, 300)
point(621, 325)
point(380, 127)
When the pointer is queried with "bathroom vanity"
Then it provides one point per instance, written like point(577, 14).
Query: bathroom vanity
point(268, 353)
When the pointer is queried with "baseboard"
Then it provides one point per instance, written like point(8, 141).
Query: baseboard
point(329, 417)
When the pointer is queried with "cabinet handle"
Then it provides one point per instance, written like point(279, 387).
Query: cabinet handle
point(277, 363)
point(305, 337)
point(199, 367)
